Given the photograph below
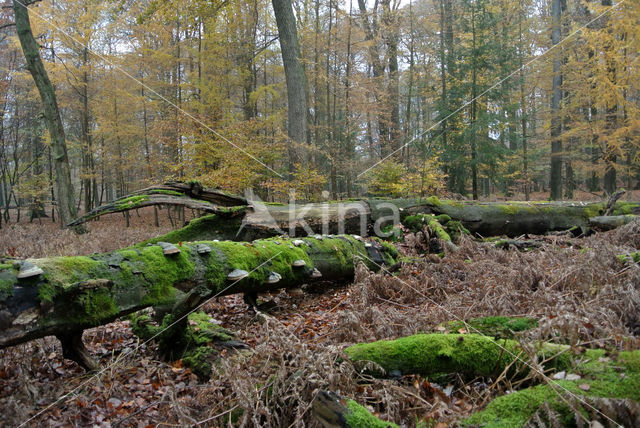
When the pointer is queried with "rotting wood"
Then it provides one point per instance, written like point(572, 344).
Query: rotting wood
point(70, 294)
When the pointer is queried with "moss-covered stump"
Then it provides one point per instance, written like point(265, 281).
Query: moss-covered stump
point(603, 379)
point(440, 228)
point(468, 354)
point(62, 295)
point(197, 342)
point(333, 412)
point(497, 326)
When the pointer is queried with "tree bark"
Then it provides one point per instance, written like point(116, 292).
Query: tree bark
point(556, 122)
point(294, 74)
point(64, 188)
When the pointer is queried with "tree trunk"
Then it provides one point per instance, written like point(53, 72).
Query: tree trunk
point(294, 74)
point(556, 122)
point(64, 189)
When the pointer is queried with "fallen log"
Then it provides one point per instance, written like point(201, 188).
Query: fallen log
point(238, 221)
point(468, 354)
point(62, 296)
point(519, 218)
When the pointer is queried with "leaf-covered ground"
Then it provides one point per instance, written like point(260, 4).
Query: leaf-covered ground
point(578, 289)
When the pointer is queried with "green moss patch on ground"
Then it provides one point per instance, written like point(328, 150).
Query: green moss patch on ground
point(359, 417)
point(607, 377)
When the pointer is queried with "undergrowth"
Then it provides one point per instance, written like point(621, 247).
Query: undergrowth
point(577, 290)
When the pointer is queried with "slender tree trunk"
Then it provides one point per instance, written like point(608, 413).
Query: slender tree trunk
point(523, 110)
point(294, 74)
point(64, 188)
point(610, 177)
point(474, 108)
point(556, 122)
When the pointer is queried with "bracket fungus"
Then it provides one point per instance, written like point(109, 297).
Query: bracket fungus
point(168, 249)
point(273, 278)
point(237, 275)
point(203, 249)
point(28, 270)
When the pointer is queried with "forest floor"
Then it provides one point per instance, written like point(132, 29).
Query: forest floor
point(576, 287)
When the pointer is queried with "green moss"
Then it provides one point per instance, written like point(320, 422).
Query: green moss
point(612, 379)
point(456, 229)
point(63, 272)
point(202, 331)
point(497, 326)
point(165, 192)
point(416, 223)
point(594, 210)
point(443, 218)
point(7, 281)
point(509, 209)
point(192, 344)
point(163, 272)
point(433, 200)
point(131, 202)
point(630, 258)
point(430, 354)
point(199, 360)
point(204, 228)
point(389, 248)
point(96, 305)
point(5, 266)
point(359, 417)
point(625, 208)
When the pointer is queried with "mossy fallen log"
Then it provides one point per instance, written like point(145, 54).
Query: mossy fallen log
point(62, 296)
point(468, 354)
point(364, 217)
point(518, 218)
point(334, 412)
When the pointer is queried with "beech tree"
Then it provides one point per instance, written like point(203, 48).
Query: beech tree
point(30, 48)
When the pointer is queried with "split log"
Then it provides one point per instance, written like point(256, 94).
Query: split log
point(188, 195)
point(62, 296)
